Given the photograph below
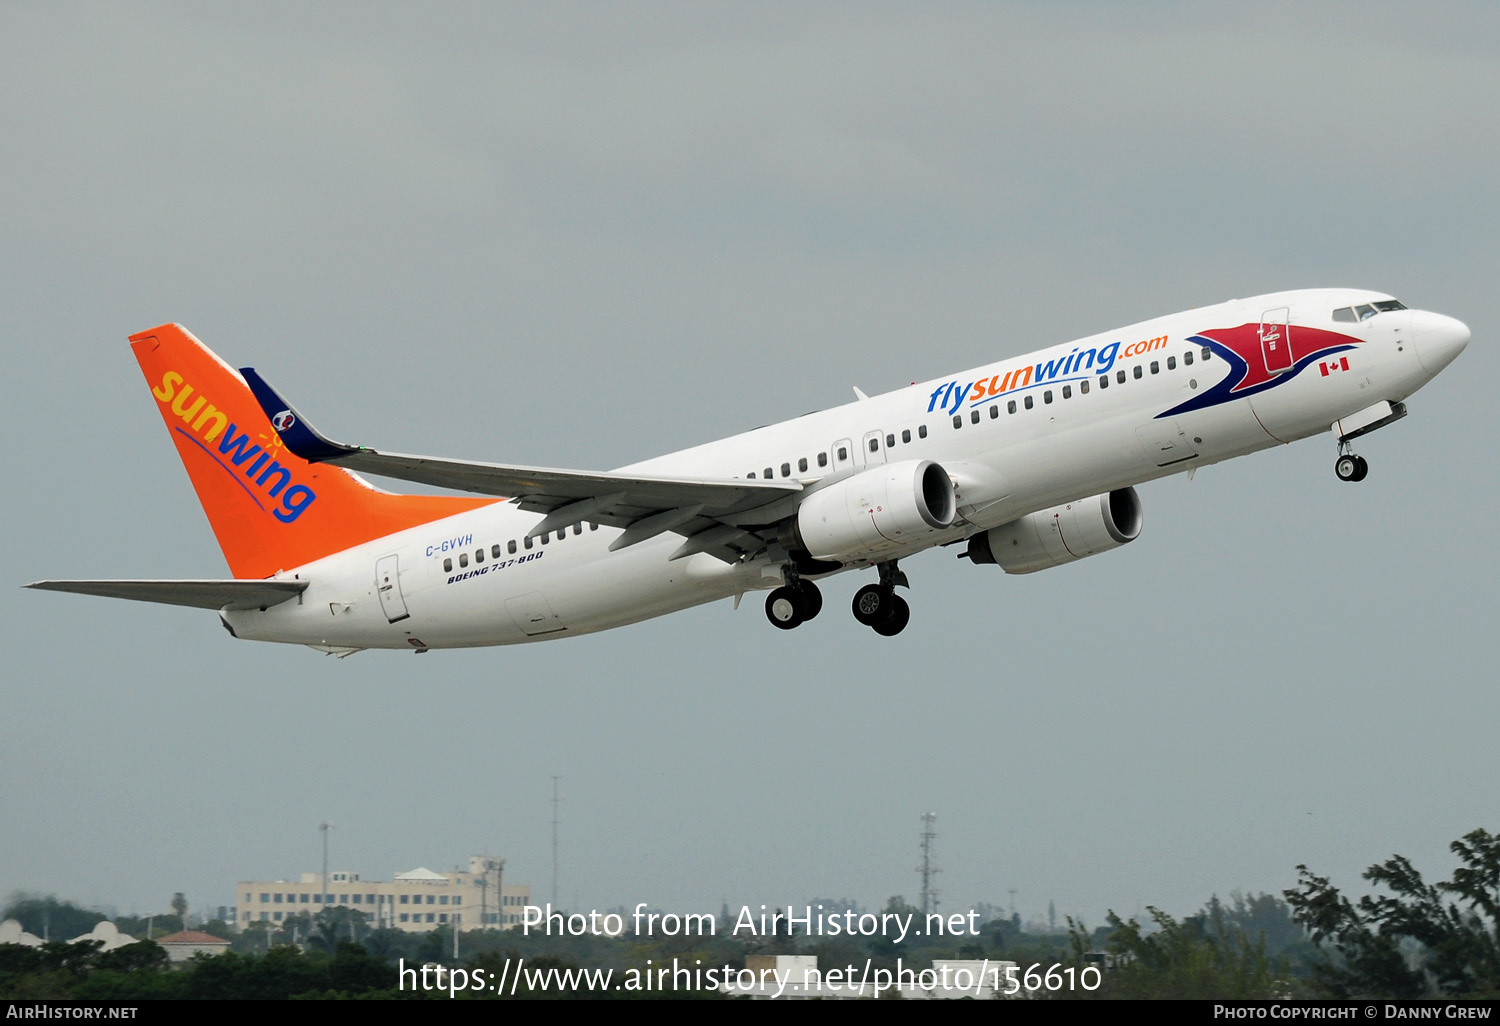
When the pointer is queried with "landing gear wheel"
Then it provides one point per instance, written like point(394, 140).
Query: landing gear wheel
point(784, 608)
point(1362, 469)
point(899, 618)
point(873, 604)
point(812, 600)
point(1347, 467)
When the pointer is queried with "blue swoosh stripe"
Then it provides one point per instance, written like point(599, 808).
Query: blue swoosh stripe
point(221, 464)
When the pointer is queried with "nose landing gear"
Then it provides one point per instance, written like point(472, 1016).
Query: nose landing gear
point(1348, 466)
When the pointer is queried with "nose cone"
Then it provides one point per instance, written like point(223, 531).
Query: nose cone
point(1438, 339)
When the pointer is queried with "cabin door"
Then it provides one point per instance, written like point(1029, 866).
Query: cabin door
point(1276, 339)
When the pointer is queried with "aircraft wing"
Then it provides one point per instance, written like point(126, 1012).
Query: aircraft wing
point(211, 594)
point(643, 506)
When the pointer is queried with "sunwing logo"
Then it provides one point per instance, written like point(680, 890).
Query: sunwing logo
point(253, 467)
point(1080, 363)
point(1243, 349)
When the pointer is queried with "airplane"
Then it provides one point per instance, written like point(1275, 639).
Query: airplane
point(1026, 463)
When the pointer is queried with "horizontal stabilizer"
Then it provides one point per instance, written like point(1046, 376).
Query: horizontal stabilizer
point(226, 594)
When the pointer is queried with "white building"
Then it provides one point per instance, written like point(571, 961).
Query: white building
point(416, 901)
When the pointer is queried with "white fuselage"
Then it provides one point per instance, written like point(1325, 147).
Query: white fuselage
point(1173, 411)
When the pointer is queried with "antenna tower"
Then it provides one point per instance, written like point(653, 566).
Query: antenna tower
point(927, 869)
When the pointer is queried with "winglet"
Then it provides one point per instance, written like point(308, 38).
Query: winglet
point(296, 433)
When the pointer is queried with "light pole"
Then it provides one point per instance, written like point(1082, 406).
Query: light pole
point(325, 826)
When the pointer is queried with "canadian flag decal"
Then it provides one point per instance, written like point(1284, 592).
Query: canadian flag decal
point(1327, 367)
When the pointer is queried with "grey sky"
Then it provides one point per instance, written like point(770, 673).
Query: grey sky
point(581, 236)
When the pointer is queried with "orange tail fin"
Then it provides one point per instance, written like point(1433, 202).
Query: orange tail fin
point(269, 509)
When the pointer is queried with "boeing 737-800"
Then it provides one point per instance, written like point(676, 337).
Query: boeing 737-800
point(1027, 463)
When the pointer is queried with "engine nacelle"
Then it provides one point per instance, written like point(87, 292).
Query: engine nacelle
point(877, 510)
point(1061, 534)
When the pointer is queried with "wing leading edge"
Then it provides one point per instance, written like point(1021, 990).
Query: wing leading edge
point(643, 506)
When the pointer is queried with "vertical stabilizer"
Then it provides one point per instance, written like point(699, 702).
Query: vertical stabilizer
point(269, 509)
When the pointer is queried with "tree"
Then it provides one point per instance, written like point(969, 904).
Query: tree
point(180, 906)
point(1200, 957)
point(1421, 940)
point(49, 918)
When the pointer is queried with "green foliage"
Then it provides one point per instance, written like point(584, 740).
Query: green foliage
point(157, 925)
point(1201, 957)
point(48, 918)
point(1421, 940)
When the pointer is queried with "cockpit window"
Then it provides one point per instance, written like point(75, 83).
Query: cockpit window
point(1365, 311)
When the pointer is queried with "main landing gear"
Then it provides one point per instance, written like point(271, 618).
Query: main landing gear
point(879, 607)
point(1348, 466)
point(794, 603)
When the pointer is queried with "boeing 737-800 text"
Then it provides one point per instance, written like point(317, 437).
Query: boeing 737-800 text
point(1028, 462)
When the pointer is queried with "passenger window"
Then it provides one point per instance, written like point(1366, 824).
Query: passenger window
point(1010, 407)
point(1187, 358)
point(1104, 381)
point(577, 530)
point(526, 541)
point(546, 537)
point(768, 475)
point(802, 465)
point(495, 551)
point(1155, 367)
point(1029, 403)
point(1171, 363)
point(973, 416)
point(751, 475)
point(479, 555)
point(510, 546)
point(1083, 387)
point(1067, 391)
point(447, 566)
point(1120, 376)
point(994, 411)
point(822, 459)
point(843, 454)
point(786, 470)
point(1206, 353)
point(592, 527)
point(958, 422)
point(875, 444)
point(921, 430)
point(1137, 372)
point(463, 559)
point(1047, 396)
point(906, 435)
point(890, 441)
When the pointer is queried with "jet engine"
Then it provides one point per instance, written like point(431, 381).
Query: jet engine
point(1052, 537)
point(876, 511)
